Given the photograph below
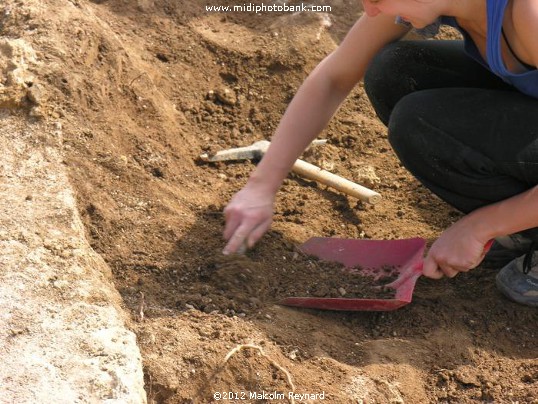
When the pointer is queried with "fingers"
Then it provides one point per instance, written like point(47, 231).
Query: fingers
point(258, 232)
point(431, 270)
point(232, 222)
point(449, 272)
point(245, 237)
point(237, 241)
point(243, 230)
point(248, 216)
point(439, 272)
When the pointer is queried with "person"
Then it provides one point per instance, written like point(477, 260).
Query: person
point(462, 116)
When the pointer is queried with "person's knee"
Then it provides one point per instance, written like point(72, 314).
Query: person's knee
point(403, 127)
point(388, 78)
point(382, 66)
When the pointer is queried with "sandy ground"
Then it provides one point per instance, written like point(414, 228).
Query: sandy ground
point(141, 89)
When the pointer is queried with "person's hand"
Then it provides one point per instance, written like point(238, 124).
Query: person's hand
point(459, 249)
point(248, 216)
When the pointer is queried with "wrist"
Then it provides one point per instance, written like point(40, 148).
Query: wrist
point(484, 224)
point(265, 184)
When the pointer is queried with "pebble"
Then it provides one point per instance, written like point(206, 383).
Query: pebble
point(226, 96)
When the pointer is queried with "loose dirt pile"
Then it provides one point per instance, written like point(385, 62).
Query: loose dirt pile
point(314, 278)
point(141, 89)
point(245, 284)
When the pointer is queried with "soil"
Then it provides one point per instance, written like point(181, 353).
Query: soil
point(316, 278)
point(141, 88)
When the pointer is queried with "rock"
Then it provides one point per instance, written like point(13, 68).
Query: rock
point(226, 96)
point(62, 329)
point(366, 175)
point(34, 94)
point(16, 60)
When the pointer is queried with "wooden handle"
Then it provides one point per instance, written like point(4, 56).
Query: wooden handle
point(312, 172)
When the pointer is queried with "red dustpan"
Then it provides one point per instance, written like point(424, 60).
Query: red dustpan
point(405, 255)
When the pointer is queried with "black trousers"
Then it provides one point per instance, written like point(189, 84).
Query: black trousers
point(464, 133)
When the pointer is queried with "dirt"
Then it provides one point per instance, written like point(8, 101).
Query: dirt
point(310, 277)
point(141, 89)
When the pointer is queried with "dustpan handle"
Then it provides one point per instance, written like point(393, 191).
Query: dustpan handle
point(409, 275)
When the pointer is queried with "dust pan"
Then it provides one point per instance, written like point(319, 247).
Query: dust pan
point(372, 256)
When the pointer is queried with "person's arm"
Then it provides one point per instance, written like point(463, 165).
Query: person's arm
point(249, 213)
point(322, 93)
point(461, 247)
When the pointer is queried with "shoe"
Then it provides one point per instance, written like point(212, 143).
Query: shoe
point(506, 249)
point(518, 280)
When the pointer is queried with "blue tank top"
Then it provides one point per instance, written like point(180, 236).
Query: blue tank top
point(525, 82)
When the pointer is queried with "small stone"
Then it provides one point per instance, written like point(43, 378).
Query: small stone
point(293, 355)
point(34, 94)
point(210, 95)
point(226, 96)
point(366, 175)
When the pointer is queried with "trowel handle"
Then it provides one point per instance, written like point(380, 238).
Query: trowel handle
point(313, 172)
point(301, 167)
